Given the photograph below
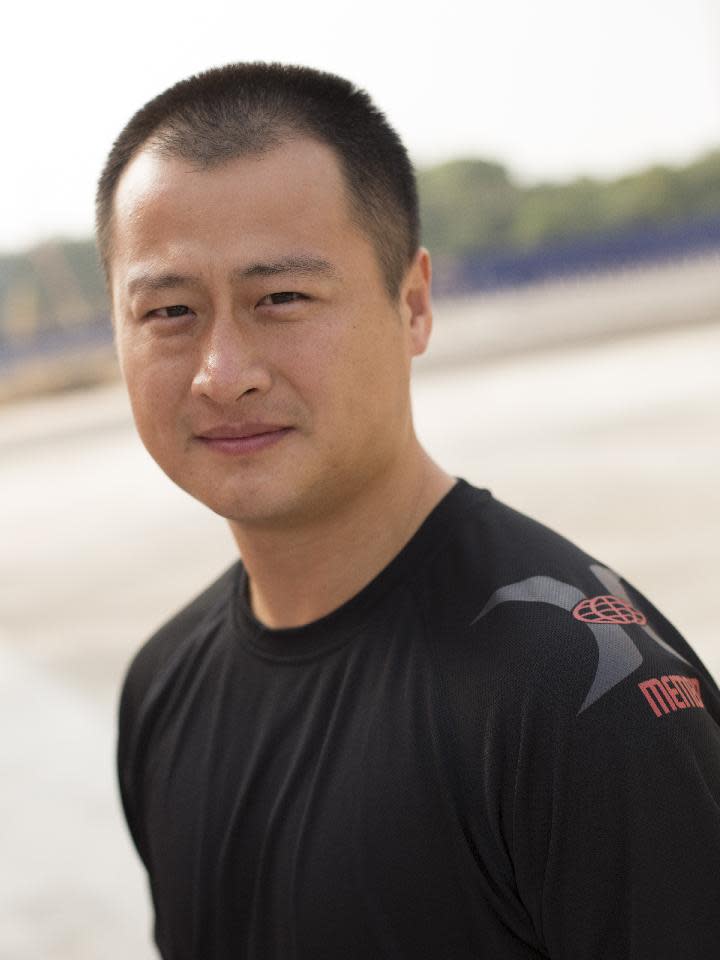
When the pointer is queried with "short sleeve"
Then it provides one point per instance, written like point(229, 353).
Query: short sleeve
point(617, 821)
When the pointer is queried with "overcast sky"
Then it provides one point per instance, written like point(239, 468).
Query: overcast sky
point(552, 88)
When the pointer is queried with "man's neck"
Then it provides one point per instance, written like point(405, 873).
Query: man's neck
point(299, 575)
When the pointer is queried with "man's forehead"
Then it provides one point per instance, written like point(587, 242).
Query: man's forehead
point(294, 189)
point(255, 214)
point(153, 167)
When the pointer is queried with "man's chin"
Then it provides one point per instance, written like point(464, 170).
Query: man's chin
point(261, 510)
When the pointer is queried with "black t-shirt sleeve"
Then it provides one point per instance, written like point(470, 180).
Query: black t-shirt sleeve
point(602, 728)
point(150, 670)
point(135, 689)
point(616, 817)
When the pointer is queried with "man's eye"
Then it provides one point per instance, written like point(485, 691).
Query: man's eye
point(285, 296)
point(177, 310)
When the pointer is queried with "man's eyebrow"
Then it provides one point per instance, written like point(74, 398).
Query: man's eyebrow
point(300, 264)
point(149, 282)
point(304, 265)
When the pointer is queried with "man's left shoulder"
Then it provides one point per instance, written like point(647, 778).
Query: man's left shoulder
point(494, 554)
point(531, 608)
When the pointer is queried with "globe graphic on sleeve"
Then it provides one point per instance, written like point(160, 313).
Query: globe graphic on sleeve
point(607, 609)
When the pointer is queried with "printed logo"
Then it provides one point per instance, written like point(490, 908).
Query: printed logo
point(668, 694)
point(607, 609)
point(605, 616)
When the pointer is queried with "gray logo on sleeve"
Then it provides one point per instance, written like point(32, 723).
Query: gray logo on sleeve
point(605, 615)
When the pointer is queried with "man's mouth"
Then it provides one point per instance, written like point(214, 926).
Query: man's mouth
point(242, 438)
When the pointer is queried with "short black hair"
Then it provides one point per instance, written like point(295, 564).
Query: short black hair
point(249, 108)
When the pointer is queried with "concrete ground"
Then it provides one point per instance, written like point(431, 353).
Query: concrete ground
point(612, 439)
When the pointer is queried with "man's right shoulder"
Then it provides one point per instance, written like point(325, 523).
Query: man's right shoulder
point(170, 643)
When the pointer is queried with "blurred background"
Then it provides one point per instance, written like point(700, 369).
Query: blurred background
point(569, 166)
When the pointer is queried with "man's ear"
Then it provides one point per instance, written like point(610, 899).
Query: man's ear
point(415, 302)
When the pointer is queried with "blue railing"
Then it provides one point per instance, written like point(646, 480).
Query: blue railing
point(650, 243)
point(53, 341)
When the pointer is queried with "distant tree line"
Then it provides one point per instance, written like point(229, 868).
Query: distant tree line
point(472, 206)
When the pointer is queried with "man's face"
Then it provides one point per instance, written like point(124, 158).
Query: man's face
point(267, 368)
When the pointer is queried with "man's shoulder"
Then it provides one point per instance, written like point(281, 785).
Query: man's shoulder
point(492, 544)
point(518, 604)
point(171, 641)
point(491, 594)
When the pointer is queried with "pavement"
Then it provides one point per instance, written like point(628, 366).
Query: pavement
point(609, 435)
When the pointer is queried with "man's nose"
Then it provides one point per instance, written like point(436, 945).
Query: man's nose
point(232, 362)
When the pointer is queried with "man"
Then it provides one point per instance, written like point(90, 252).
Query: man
point(411, 722)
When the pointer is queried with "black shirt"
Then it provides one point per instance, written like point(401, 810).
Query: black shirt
point(497, 749)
